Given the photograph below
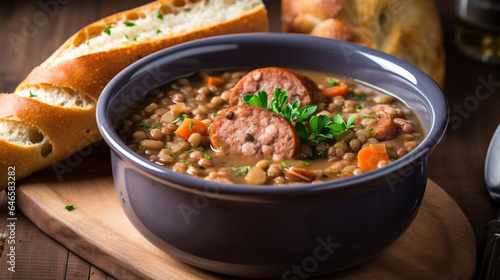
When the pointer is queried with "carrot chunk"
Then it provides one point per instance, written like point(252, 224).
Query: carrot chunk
point(190, 126)
point(369, 157)
point(336, 91)
point(214, 81)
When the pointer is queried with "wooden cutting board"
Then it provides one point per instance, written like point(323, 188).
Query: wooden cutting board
point(438, 245)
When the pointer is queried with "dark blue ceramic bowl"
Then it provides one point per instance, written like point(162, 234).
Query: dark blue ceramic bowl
point(290, 232)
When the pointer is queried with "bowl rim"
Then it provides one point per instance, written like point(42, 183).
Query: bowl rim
point(439, 117)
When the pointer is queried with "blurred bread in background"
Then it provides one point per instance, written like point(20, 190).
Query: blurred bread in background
point(408, 29)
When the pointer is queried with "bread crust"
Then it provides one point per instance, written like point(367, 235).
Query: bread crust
point(70, 129)
point(408, 29)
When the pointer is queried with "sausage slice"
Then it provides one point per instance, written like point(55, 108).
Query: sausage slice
point(298, 86)
point(254, 131)
point(384, 129)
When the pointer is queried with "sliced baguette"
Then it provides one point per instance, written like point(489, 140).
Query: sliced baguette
point(51, 114)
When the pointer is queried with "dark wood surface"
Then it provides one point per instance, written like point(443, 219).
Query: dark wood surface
point(457, 164)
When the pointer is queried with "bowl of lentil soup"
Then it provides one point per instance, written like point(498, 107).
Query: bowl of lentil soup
point(246, 154)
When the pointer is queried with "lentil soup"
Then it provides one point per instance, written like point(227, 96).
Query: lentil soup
point(270, 126)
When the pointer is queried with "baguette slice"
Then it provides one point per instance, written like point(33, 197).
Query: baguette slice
point(51, 114)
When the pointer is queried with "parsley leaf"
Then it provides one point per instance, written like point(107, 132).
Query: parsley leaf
point(257, 100)
point(280, 105)
point(180, 119)
point(359, 97)
point(160, 16)
point(69, 207)
point(32, 95)
point(322, 126)
point(108, 30)
point(333, 83)
point(241, 170)
point(129, 24)
point(133, 39)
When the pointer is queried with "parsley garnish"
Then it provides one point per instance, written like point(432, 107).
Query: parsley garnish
point(359, 107)
point(183, 160)
point(206, 154)
point(322, 126)
point(69, 207)
point(280, 105)
point(108, 30)
point(32, 95)
point(129, 24)
point(191, 126)
point(306, 163)
point(174, 86)
point(181, 118)
point(367, 116)
point(284, 164)
point(158, 31)
point(241, 170)
point(160, 16)
point(145, 125)
point(168, 148)
point(134, 39)
point(333, 83)
point(359, 97)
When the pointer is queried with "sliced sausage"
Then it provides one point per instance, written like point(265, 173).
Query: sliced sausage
point(254, 131)
point(298, 86)
point(403, 125)
point(384, 128)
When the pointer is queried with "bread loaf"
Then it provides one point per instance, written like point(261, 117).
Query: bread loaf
point(408, 29)
point(51, 114)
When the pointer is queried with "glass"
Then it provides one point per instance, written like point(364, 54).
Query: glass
point(478, 29)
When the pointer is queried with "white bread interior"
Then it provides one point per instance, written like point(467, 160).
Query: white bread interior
point(57, 96)
point(168, 19)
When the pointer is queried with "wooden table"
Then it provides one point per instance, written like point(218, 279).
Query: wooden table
point(457, 164)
